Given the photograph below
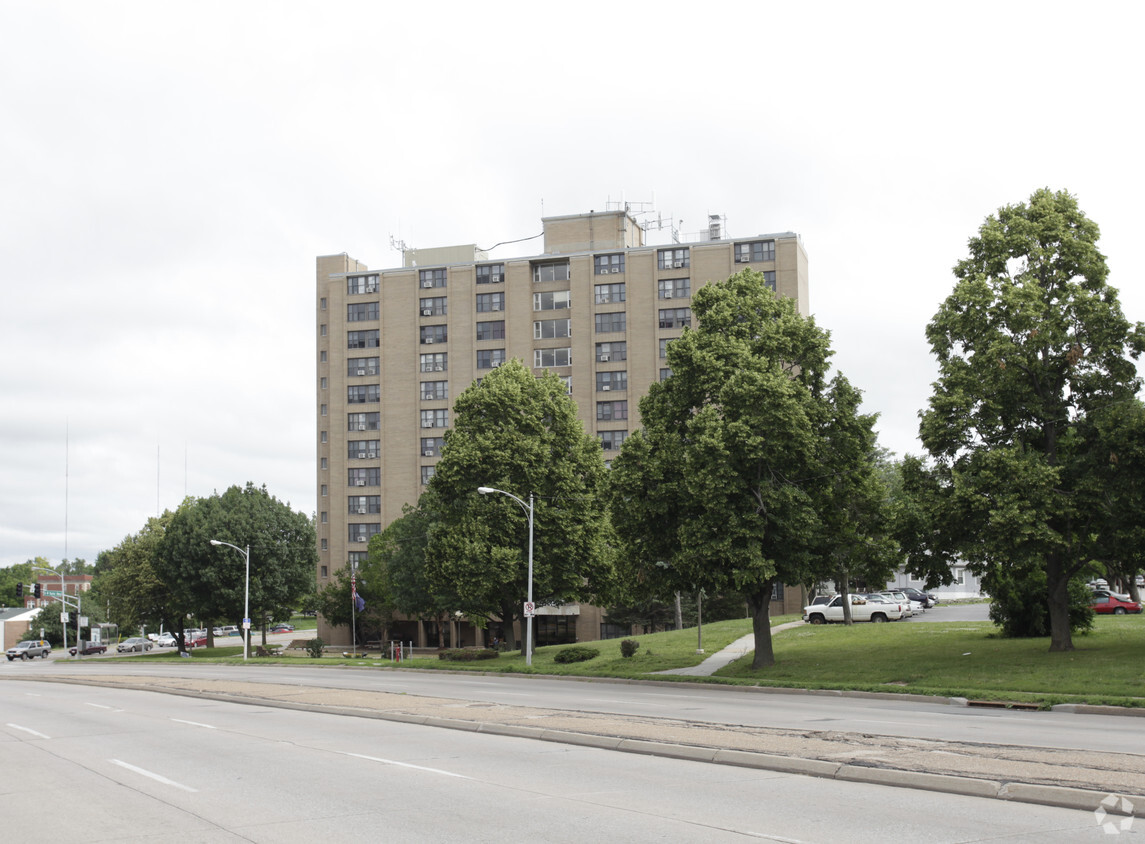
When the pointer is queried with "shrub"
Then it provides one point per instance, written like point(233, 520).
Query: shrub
point(628, 648)
point(314, 647)
point(577, 653)
point(468, 654)
point(1019, 604)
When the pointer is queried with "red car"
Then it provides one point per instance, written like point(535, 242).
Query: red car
point(1106, 602)
point(89, 648)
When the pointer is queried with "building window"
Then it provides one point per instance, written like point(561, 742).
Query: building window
point(363, 449)
point(606, 381)
point(362, 533)
point(366, 476)
point(675, 317)
point(674, 288)
point(604, 294)
point(322, 382)
point(322, 409)
point(361, 505)
point(612, 440)
point(323, 437)
point(546, 329)
point(427, 473)
point(324, 517)
point(567, 381)
point(431, 334)
point(322, 303)
point(361, 366)
point(434, 390)
point(609, 410)
point(487, 302)
point(605, 264)
point(322, 356)
point(551, 301)
point(322, 329)
point(769, 279)
point(362, 339)
point(614, 351)
point(607, 323)
point(490, 273)
point(665, 373)
point(664, 347)
point(552, 357)
point(325, 491)
point(436, 362)
point(363, 393)
point(551, 271)
point(673, 259)
point(325, 570)
point(362, 421)
point(356, 284)
point(433, 306)
point(357, 558)
point(361, 311)
point(431, 278)
point(431, 446)
point(490, 358)
point(758, 250)
point(324, 463)
point(777, 591)
point(493, 330)
point(434, 418)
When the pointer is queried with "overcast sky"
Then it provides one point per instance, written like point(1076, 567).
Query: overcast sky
point(171, 170)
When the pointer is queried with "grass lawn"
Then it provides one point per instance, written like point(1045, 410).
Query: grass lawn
point(954, 659)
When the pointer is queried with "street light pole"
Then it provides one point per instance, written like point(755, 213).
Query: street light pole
point(528, 508)
point(246, 599)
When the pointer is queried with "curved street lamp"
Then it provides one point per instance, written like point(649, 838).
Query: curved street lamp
point(528, 508)
point(246, 604)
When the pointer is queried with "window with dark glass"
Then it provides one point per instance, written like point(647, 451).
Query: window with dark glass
point(756, 250)
point(487, 302)
point(613, 351)
point(490, 273)
point(603, 294)
point(616, 380)
point(492, 330)
point(362, 339)
point(433, 306)
point(361, 311)
point(675, 317)
point(606, 264)
point(430, 334)
point(551, 271)
point(431, 278)
point(610, 322)
point(673, 259)
point(674, 288)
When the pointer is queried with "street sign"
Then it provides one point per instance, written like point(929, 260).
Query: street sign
point(530, 609)
point(63, 618)
point(53, 593)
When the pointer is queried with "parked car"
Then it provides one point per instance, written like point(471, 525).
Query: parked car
point(166, 640)
point(861, 610)
point(903, 600)
point(1115, 604)
point(89, 648)
point(821, 599)
point(29, 650)
point(136, 644)
point(195, 638)
point(927, 599)
point(282, 628)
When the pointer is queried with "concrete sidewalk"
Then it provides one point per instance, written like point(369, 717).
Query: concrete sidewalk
point(1073, 779)
point(738, 648)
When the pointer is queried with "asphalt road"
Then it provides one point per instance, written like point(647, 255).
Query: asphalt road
point(102, 765)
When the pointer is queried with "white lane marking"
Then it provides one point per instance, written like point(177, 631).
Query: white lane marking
point(194, 724)
point(98, 705)
point(26, 730)
point(153, 776)
point(407, 765)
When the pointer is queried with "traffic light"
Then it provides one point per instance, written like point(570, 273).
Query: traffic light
point(19, 590)
point(37, 590)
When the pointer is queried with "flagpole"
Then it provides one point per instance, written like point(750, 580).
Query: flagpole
point(354, 605)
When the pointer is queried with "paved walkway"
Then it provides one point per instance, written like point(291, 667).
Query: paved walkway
point(728, 655)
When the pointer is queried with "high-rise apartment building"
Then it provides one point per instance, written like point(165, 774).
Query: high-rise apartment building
point(396, 346)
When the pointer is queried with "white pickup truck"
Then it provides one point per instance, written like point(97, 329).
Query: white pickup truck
point(862, 609)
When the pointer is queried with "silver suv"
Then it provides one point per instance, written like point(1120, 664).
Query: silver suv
point(30, 650)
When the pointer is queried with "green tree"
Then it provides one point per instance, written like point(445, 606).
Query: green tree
point(518, 433)
point(212, 579)
point(720, 483)
point(128, 586)
point(9, 577)
point(1031, 342)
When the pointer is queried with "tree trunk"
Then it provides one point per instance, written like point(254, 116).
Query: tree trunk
point(759, 605)
point(679, 613)
point(1057, 581)
point(845, 593)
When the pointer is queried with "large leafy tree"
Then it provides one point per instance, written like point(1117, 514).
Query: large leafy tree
point(722, 486)
point(1030, 343)
point(128, 585)
point(518, 433)
point(211, 579)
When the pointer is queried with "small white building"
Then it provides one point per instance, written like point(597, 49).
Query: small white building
point(966, 584)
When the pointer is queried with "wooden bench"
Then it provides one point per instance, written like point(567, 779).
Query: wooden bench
point(298, 645)
point(269, 650)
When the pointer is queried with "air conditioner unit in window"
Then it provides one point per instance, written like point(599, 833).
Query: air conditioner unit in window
point(605, 387)
point(427, 453)
point(427, 424)
point(604, 358)
point(495, 279)
point(361, 427)
point(359, 483)
point(496, 364)
point(371, 372)
point(371, 288)
point(427, 283)
point(361, 511)
point(427, 311)
point(616, 269)
point(439, 367)
point(667, 294)
point(428, 396)
point(371, 454)
point(677, 264)
point(359, 539)
point(361, 372)
point(495, 307)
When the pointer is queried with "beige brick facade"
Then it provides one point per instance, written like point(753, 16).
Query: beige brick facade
point(395, 347)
